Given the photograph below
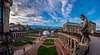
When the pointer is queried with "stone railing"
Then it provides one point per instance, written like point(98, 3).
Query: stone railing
point(71, 42)
point(97, 34)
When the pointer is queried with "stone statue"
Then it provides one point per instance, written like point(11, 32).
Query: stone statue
point(7, 4)
point(84, 31)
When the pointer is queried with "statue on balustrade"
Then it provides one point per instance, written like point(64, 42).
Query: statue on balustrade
point(84, 31)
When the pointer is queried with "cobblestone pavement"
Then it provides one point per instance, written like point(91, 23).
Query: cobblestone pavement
point(21, 52)
point(94, 46)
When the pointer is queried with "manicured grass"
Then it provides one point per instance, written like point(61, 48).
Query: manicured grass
point(33, 35)
point(48, 40)
point(32, 38)
point(47, 51)
point(48, 43)
point(27, 40)
point(53, 36)
point(19, 43)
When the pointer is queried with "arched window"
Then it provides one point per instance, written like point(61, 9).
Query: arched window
point(76, 46)
point(73, 29)
point(73, 44)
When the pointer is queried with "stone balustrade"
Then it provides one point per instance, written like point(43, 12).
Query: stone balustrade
point(71, 43)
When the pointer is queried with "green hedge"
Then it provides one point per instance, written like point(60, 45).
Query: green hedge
point(48, 40)
point(47, 51)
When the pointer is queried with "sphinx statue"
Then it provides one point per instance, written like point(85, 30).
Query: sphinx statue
point(84, 31)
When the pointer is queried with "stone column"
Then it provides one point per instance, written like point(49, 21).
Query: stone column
point(6, 14)
point(71, 43)
point(74, 45)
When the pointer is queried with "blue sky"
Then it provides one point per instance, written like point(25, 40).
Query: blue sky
point(54, 12)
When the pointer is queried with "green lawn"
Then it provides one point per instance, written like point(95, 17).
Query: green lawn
point(48, 40)
point(19, 43)
point(53, 36)
point(27, 40)
point(32, 38)
point(33, 35)
point(47, 51)
point(48, 43)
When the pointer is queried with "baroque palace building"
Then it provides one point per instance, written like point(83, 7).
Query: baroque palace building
point(71, 39)
point(6, 47)
point(72, 27)
point(75, 27)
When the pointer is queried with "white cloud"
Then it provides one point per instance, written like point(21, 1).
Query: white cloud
point(67, 7)
point(98, 27)
point(97, 24)
point(91, 12)
point(24, 11)
point(75, 19)
point(64, 2)
point(63, 21)
point(68, 10)
point(30, 11)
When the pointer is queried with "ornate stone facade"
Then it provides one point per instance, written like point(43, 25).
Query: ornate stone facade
point(72, 27)
point(92, 27)
point(75, 27)
point(18, 34)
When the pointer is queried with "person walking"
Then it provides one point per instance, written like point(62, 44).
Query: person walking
point(24, 50)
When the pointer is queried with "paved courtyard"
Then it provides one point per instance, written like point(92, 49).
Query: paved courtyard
point(34, 50)
point(94, 46)
point(27, 46)
point(30, 50)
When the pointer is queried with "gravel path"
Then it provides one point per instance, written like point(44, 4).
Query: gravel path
point(94, 46)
